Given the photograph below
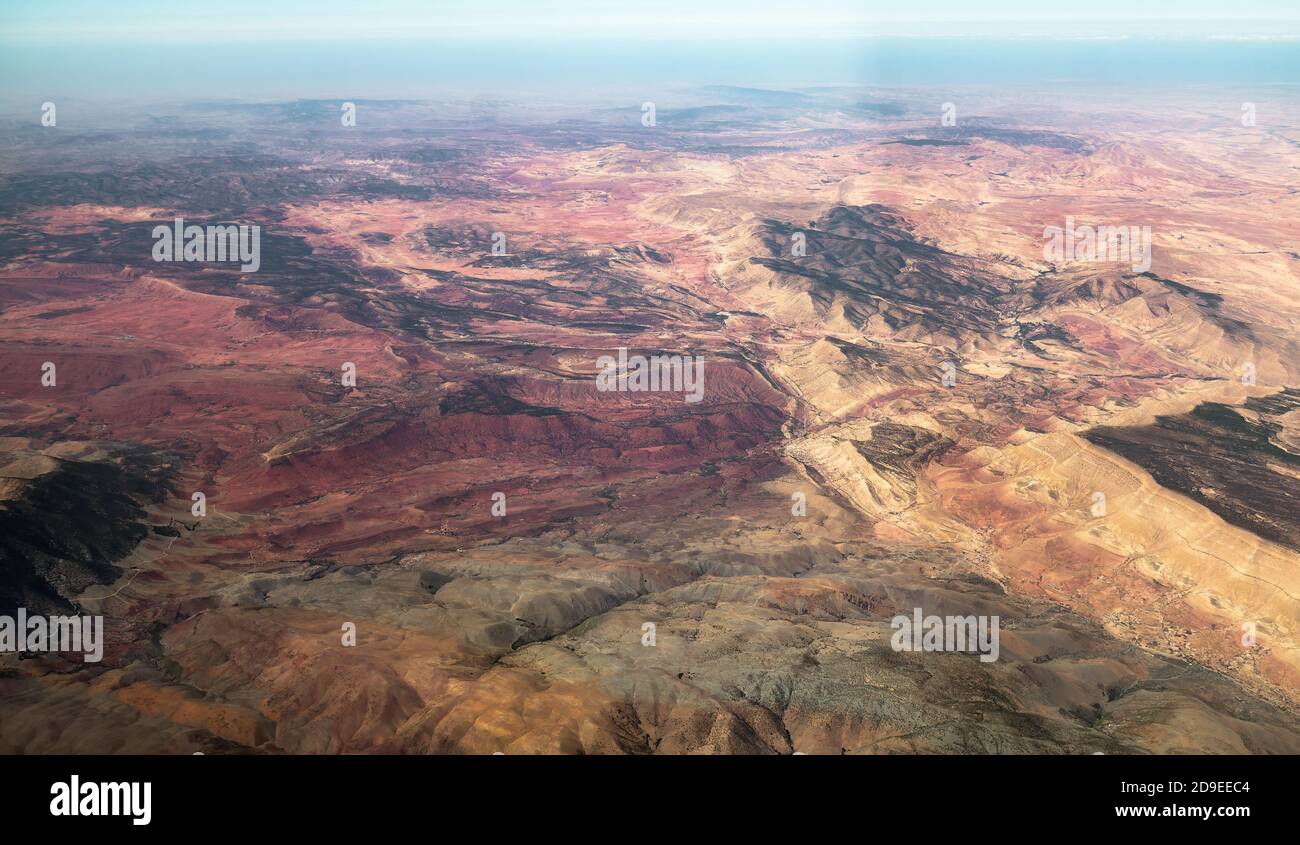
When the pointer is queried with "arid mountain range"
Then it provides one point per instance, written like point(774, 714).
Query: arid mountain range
point(906, 404)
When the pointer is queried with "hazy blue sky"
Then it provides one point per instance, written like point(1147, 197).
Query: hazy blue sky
point(264, 49)
point(177, 20)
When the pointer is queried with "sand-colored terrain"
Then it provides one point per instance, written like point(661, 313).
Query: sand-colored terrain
point(944, 402)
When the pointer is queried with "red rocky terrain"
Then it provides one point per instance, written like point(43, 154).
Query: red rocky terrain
point(471, 548)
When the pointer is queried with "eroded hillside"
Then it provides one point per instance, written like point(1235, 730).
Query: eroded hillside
point(905, 405)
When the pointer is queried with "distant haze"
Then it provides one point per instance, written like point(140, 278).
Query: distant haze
point(386, 68)
point(277, 49)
